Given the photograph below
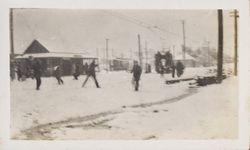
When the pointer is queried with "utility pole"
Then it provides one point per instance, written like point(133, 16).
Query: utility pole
point(174, 51)
point(107, 55)
point(220, 46)
point(208, 53)
point(113, 54)
point(97, 53)
point(139, 50)
point(131, 54)
point(12, 52)
point(11, 33)
point(184, 40)
point(235, 15)
point(146, 51)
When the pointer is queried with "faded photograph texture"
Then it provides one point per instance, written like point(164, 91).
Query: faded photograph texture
point(123, 74)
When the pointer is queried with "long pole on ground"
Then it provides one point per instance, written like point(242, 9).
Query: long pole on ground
point(220, 45)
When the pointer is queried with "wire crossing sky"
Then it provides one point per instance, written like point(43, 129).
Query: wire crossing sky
point(68, 30)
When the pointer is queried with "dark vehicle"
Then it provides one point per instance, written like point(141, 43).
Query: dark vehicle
point(164, 63)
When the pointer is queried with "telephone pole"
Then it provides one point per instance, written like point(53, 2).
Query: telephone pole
point(174, 51)
point(131, 54)
point(139, 50)
point(184, 40)
point(11, 33)
point(97, 53)
point(235, 15)
point(12, 52)
point(113, 52)
point(146, 51)
point(220, 46)
point(208, 53)
point(107, 54)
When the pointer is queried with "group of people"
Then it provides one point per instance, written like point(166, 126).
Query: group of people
point(90, 71)
point(164, 63)
point(137, 70)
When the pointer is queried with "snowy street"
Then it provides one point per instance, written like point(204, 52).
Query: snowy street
point(116, 111)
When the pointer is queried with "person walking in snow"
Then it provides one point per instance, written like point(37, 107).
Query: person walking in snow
point(77, 71)
point(19, 72)
point(169, 59)
point(37, 68)
point(58, 74)
point(91, 73)
point(136, 75)
point(85, 68)
point(180, 68)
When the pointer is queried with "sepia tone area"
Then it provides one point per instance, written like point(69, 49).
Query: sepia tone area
point(123, 74)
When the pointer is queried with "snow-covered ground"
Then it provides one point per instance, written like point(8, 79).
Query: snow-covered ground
point(116, 111)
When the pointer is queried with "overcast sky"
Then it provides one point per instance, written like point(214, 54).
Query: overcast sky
point(62, 30)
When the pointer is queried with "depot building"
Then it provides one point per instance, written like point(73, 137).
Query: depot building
point(49, 60)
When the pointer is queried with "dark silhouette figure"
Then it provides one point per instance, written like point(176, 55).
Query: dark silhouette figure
point(148, 68)
point(37, 67)
point(136, 75)
point(77, 72)
point(157, 61)
point(169, 59)
point(180, 68)
point(173, 71)
point(85, 68)
point(19, 72)
point(58, 74)
point(91, 73)
point(12, 70)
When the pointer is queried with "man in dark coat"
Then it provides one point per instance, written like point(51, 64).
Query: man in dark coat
point(19, 72)
point(180, 68)
point(157, 61)
point(58, 74)
point(136, 74)
point(77, 72)
point(169, 59)
point(37, 68)
point(85, 68)
point(91, 73)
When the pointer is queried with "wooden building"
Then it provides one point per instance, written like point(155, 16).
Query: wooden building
point(189, 61)
point(117, 64)
point(49, 60)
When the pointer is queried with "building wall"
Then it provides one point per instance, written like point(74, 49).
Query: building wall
point(188, 63)
point(119, 65)
point(48, 65)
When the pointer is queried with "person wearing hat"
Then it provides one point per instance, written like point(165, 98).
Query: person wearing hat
point(136, 74)
point(58, 74)
point(91, 73)
point(37, 67)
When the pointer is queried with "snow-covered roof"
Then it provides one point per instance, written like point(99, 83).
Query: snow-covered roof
point(56, 55)
point(180, 57)
point(121, 59)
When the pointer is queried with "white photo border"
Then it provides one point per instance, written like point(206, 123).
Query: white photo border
point(244, 67)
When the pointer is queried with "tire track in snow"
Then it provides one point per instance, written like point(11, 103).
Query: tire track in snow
point(43, 131)
point(171, 100)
